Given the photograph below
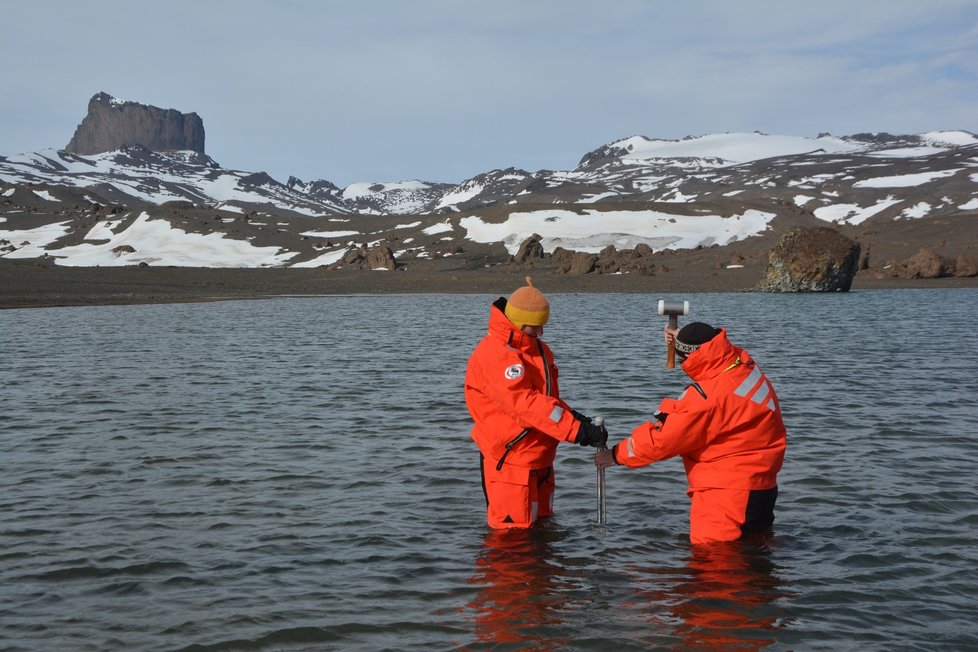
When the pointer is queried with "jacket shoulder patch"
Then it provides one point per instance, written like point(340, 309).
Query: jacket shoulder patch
point(513, 371)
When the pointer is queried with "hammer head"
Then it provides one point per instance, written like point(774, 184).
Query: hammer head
point(673, 308)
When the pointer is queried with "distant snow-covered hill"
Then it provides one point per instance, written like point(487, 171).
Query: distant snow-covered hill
point(635, 168)
point(173, 207)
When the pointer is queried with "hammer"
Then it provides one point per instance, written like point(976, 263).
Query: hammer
point(673, 309)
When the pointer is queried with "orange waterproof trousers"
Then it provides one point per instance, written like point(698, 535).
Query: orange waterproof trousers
point(729, 514)
point(516, 497)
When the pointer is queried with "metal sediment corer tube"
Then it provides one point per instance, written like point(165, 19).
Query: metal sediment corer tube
point(602, 504)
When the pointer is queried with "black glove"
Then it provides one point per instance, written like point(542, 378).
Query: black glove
point(591, 435)
point(580, 417)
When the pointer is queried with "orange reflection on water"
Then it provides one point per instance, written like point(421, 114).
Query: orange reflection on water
point(727, 600)
point(521, 584)
point(718, 596)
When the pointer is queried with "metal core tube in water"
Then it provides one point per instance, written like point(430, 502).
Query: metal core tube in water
point(602, 505)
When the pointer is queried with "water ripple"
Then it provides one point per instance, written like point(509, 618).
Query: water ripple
point(298, 475)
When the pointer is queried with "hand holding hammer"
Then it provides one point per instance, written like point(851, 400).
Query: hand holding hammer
point(673, 309)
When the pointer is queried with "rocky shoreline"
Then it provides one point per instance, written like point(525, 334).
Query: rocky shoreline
point(32, 284)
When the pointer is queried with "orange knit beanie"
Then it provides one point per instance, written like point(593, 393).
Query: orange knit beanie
point(527, 306)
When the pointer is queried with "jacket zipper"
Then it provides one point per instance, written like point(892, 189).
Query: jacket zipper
point(509, 446)
point(526, 431)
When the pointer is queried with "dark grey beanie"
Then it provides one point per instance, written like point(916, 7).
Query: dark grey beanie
point(693, 335)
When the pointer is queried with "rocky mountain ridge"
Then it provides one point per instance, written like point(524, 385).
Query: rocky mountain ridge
point(626, 208)
point(137, 156)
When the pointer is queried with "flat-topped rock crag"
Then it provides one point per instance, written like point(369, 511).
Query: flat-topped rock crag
point(111, 124)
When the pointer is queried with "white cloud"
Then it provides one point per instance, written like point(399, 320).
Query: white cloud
point(375, 113)
point(442, 90)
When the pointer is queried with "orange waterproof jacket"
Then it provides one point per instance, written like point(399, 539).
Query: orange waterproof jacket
point(512, 394)
point(727, 426)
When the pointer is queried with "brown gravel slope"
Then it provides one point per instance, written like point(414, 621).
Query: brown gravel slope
point(25, 284)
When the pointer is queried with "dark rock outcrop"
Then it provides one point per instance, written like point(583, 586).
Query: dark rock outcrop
point(381, 257)
point(530, 248)
point(580, 262)
point(927, 263)
point(352, 258)
point(811, 260)
point(258, 179)
point(112, 124)
point(607, 261)
point(965, 266)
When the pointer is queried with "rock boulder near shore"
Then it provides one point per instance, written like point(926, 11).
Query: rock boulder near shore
point(379, 257)
point(608, 261)
point(816, 259)
point(112, 124)
point(928, 264)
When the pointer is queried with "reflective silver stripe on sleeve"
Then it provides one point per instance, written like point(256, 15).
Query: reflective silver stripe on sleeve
point(631, 450)
point(761, 393)
point(556, 414)
point(749, 382)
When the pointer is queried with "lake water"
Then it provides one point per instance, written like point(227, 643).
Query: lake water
point(297, 474)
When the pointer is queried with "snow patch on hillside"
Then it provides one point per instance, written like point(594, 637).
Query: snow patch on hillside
point(904, 180)
point(853, 213)
point(155, 242)
point(730, 148)
point(592, 231)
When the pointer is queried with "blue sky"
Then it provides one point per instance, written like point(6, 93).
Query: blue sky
point(441, 90)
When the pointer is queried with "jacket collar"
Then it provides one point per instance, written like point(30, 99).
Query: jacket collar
point(713, 358)
point(500, 326)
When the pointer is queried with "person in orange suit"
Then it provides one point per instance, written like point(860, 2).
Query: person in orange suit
point(728, 430)
point(512, 394)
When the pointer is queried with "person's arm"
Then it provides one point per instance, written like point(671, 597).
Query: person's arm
point(508, 386)
point(684, 429)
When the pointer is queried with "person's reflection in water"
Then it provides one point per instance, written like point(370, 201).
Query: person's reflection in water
point(521, 582)
point(729, 599)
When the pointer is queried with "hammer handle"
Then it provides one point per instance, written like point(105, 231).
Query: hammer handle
point(671, 356)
